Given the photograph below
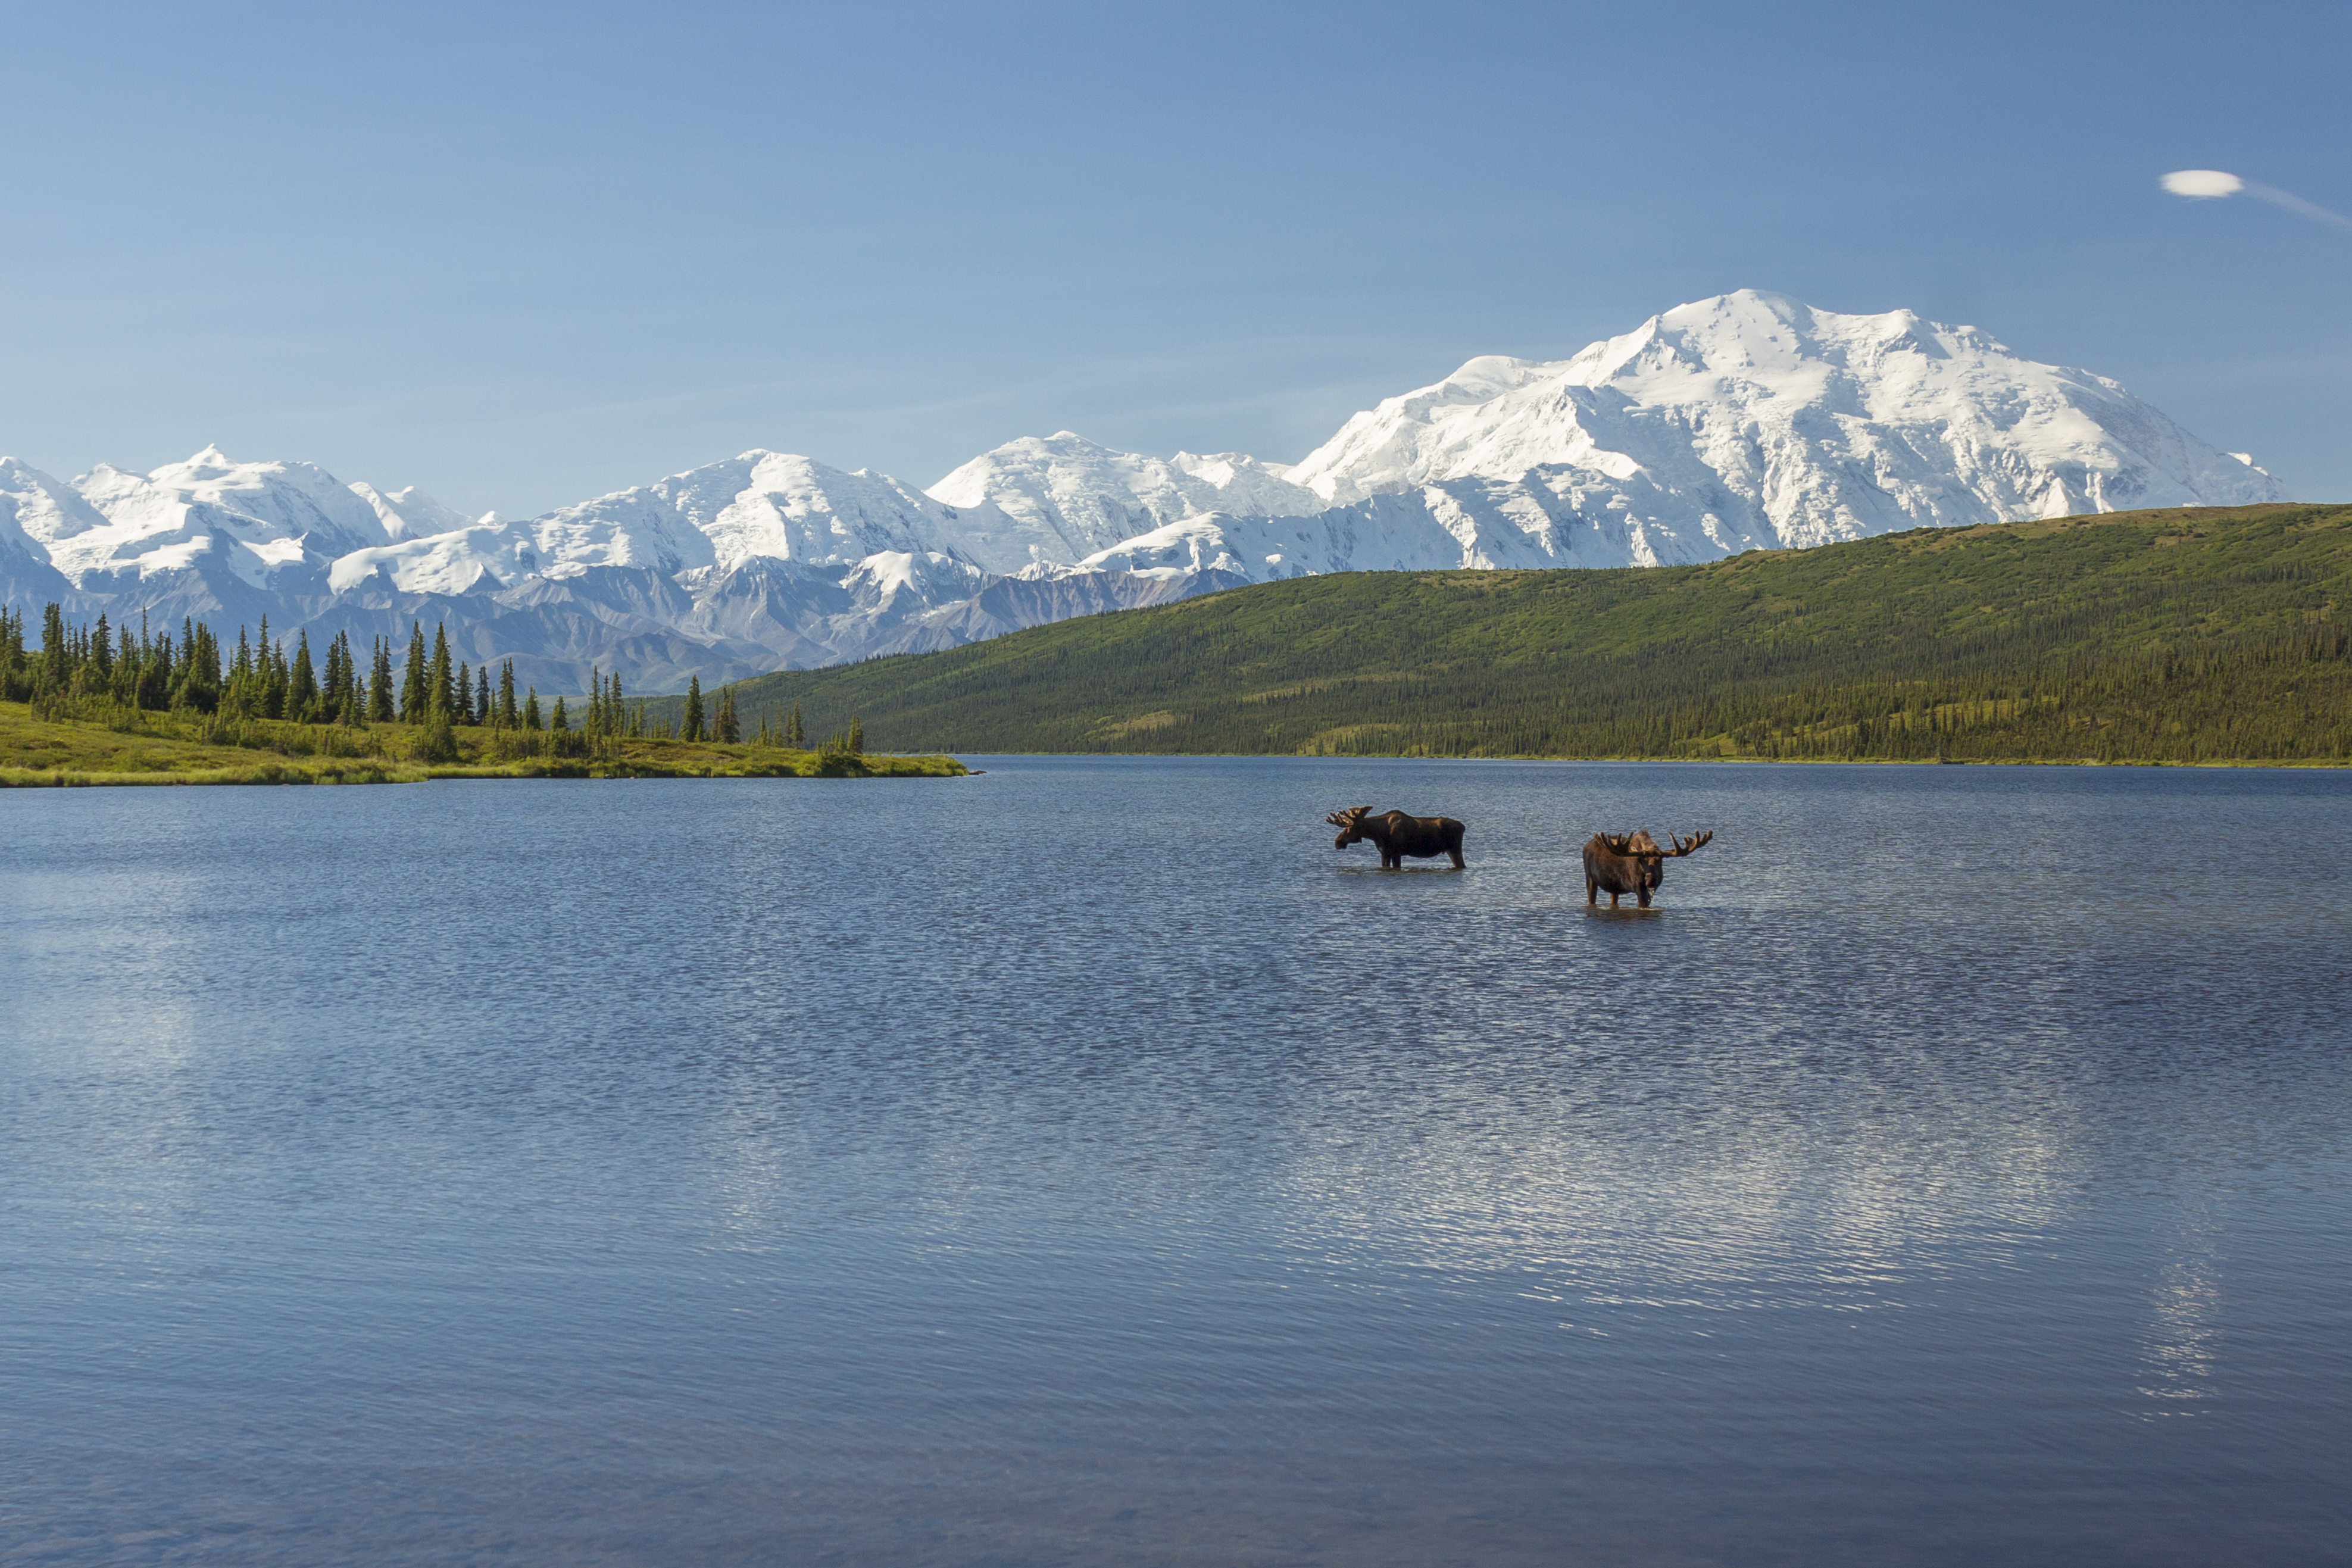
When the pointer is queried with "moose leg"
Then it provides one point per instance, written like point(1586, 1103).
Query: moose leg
point(1642, 894)
point(1613, 898)
point(1592, 892)
point(1457, 858)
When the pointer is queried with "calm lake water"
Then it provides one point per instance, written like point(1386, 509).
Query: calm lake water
point(1086, 1164)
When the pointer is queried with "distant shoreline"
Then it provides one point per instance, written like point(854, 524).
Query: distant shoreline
point(152, 749)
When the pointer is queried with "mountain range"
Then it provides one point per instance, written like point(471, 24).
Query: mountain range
point(1746, 421)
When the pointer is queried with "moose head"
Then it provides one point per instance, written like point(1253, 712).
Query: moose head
point(1350, 824)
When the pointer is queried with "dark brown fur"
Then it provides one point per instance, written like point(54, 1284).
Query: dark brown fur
point(1398, 836)
point(1632, 863)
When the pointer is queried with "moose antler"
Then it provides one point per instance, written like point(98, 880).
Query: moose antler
point(1682, 849)
point(1622, 844)
point(1347, 818)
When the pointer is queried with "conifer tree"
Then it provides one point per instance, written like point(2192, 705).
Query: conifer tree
point(438, 691)
point(380, 709)
point(531, 710)
point(559, 722)
point(462, 708)
point(411, 679)
point(302, 684)
point(53, 668)
point(794, 735)
point(275, 679)
point(691, 727)
point(509, 718)
point(482, 695)
point(353, 712)
point(857, 736)
point(725, 728)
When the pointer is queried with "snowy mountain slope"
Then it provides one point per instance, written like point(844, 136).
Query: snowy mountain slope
point(486, 555)
point(411, 513)
point(265, 525)
point(42, 508)
point(771, 505)
point(1064, 496)
point(30, 496)
point(1547, 517)
point(1789, 426)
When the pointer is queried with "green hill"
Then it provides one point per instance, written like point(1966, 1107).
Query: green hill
point(2186, 635)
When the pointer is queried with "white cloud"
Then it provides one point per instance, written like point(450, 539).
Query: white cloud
point(2202, 184)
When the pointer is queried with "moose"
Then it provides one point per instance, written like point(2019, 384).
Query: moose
point(1630, 863)
point(1398, 836)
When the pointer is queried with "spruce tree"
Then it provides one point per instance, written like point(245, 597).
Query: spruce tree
point(795, 734)
point(302, 684)
point(275, 679)
point(462, 708)
point(438, 690)
point(531, 710)
point(380, 709)
point(411, 679)
point(482, 695)
point(857, 736)
point(691, 728)
point(559, 722)
point(509, 716)
point(726, 728)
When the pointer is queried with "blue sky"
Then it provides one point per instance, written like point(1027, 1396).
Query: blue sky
point(521, 255)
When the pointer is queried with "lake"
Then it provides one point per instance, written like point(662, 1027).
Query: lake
point(1084, 1163)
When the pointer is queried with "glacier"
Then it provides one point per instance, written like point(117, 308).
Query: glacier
point(1742, 422)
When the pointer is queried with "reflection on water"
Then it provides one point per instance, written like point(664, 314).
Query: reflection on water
point(1086, 1163)
point(2182, 1349)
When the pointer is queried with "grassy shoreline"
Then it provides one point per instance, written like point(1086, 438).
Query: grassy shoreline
point(169, 748)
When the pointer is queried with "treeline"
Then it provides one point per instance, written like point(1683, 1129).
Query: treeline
point(153, 672)
point(82, 671)
point(2184, 636)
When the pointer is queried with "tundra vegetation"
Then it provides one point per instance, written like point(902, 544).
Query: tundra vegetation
point(94, 704)
point(2190, 635)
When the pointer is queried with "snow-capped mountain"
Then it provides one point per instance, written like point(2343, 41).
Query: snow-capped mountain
point(1064, 497)
point(1752, 420)
point(264, 522)
point(1742, 422)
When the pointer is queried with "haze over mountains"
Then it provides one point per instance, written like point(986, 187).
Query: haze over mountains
point(1741, 422)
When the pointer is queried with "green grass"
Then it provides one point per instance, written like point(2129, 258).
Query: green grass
point(128, 748)
point(2187, 635)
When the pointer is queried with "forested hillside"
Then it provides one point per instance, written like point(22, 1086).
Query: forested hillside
point(2181, 634)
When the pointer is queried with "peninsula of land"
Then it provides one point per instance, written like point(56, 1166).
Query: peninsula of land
point(136, 747)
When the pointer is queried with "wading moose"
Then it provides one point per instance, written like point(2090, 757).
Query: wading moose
point(1631, 863)
point(1398, 836)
